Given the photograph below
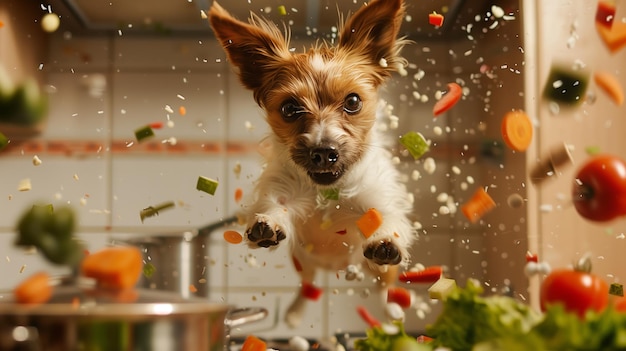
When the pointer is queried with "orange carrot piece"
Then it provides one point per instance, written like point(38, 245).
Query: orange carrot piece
point(605, 13)
point(233, 237)
point(369, 222)
point(114, 267)
point(238, 195)
point(310, 291)
point(368, 317)
point(428, 275)
point(35, 289)
point(478, 205)
point(182, 110)
point(614, 37)
point(517, 130)
point(449, 100)
point(610, 85)
point(252, 343)
point(399, 295)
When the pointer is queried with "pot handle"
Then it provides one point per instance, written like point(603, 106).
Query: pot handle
point(245, 315)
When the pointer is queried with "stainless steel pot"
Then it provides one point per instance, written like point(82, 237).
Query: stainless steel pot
point(180, 261)
point(82, 317)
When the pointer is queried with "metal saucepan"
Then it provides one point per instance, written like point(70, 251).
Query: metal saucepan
point(180, 260)
point(82, 317)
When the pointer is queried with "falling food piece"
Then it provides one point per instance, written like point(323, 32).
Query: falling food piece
point(614, 37)
point(610, 85)
point(449, 99)
point(566, 85)
point(478, 205)
point(24, 185)
point(193, 289)
point(282, 10)
point(367, 317)
point(616, 289)
point(182, 110)
point(4, 141)
point(330, 194)
point(605, 13)
point(148, 270)
point(156, 125)
point(551, 164)
point(154, 210)
point(399, 295)
point(415, 143)
point(143, 133)
point(517, 130)
point(369, 222)
point(427, 275)
point(310, 291)
point(435, 19)
point(36, 160)
point(442, 288)
point(117, 267)
point(233, 237)
point(515, 201)
point(50, 22)
point(238, 195)
point(207, 185)
point(592, 150)
point(36, 289)
point(252, 343)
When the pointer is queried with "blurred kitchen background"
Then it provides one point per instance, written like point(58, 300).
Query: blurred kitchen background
point(112, 67)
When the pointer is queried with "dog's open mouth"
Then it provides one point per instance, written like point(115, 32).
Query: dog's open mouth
point(325, 178)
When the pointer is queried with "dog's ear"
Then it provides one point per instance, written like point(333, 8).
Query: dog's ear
point(255, 48)
point(373, 30)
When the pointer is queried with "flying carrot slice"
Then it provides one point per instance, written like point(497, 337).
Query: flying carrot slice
point(233, 237)
point(114, 267)
point(238, 195)
point(252, 343)
point(310, 291)
point(517, 130)
point(428, 275)
point(369, 222)
point(449, 99)
point(605, 13)
point(35, 289)
point(614, 37)
point(399, 295)
point(610, 85)
point(368, 317)
point(478, 205)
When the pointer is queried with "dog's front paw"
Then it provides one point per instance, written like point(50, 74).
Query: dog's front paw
point(263, 235)
point(383, 252)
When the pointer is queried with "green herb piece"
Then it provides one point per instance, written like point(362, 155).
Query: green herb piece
point(592, 150)
point(4, 141)
point(154, 210)
point(144, 133)
point(566, 85)
point(207, 185)
point(616, 289)
point(330, 194)
point(148, 270)
point(442, 288)
point(282, 10)
point(415, 143)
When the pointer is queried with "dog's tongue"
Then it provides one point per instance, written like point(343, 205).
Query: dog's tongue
point(325, 178)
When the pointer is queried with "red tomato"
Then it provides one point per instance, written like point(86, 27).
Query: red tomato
point(576, 291)
point(599, 190)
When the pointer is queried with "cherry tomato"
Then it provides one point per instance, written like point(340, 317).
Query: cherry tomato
point(577, 291)
point(599, 190)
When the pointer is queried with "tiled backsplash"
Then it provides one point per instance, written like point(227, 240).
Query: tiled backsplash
point(103, 88)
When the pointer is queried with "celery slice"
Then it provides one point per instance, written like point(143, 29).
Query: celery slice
point(330, 194)
point(415, 143)
point(144, 133)
point(442, 288)
point(207, 185)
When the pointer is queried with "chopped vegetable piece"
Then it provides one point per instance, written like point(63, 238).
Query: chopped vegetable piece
point(415, 143)
point(379, 338)
point(566, 85)
point(435, 19)
point(368, 317)
point(616, 289)
point(310, 291)
point(449, 100)
point(593, 150)
point(144, 133)
point(442, 288)
point(478, 205)
point(148, 270)
point(207, 185)
point(233, 237)
point(35, 289)
point(154, 210)
point(424, 339)
point(24, 185)
point(252, 343)
point(4, 141)
point(182, 110)
point(238, 195)
point(330, 194)
point(369, 222)
point(430, 274)
point(610, 85)
point(615, 37)
point(517, 130)
point(296, 264)
point(114, 267)
point(399, 295)
point(193, 289)
point(156, 125)
point(282, 10)
point(605, 13)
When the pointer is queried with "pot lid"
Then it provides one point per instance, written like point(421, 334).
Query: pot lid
point(80, 297)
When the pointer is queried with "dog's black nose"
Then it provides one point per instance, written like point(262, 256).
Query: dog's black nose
point(324, 157)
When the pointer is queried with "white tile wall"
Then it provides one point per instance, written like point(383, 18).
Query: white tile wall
point(142, 76)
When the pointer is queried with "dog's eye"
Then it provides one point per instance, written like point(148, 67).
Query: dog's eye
point(291, 110)
point(352, 104)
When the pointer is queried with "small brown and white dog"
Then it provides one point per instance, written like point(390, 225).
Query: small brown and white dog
point(322, 107)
